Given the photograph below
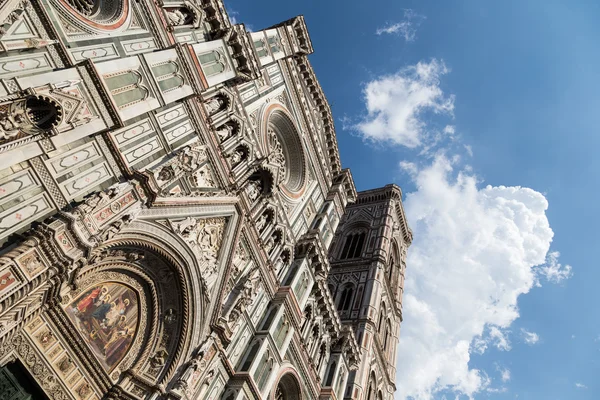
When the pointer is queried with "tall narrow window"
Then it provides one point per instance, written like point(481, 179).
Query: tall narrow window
point(330, 374)
point(264, 370)
point(340, 383)
point(353, 246)
point(346, 298)
point(359, 245)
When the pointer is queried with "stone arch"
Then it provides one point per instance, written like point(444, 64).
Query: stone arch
point(353, 241)
point(172, 279)
point(280, 138)
point(288, 385)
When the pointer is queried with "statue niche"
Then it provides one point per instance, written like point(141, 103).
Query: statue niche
point(183, 15)
point(29, 115)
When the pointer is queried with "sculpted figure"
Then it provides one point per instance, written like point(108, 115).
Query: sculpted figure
point(236, 157)
point(214, 105)
point(262, 222)
point(186, 227)
point(177, 17)
point(224, 132)
point(253, 189)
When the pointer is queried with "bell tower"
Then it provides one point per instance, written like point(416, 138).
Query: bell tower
point(368, 264)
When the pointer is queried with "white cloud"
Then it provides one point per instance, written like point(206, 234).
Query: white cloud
point(233, 17)
point(475, 251)
point(580, 385)
point(469, 150)
point(530, 338)
point(407, 28)
point(505, 374)
point(499, 338)
point(553, 271)
point(449, 130)
point(396, 104)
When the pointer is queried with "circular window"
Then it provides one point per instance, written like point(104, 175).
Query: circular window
point(42, 112)
point(105, 14)
point(285, 150)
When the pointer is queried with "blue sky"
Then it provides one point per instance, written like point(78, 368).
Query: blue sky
point(445, 98)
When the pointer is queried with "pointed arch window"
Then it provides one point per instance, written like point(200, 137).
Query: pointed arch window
point(354, 245)
point(346, 298)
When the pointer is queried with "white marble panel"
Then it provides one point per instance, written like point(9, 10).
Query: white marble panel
point(80, 184)
point(66, 162)
point(171, 115)
point(133, 132)
point(143, 150)
point(178, 131)
point(16, 184)
point(24, 213)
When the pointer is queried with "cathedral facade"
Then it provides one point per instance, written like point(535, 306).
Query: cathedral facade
point(174, 218)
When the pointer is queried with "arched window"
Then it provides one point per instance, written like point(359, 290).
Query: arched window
point(288, 388)
point(282, 330)
point(330, 374)
point(372, 387)
point(212, 62)
point(388, 329)
point(264, 369)
point(381, 313)
point(353, 246)
point(346, 298)
point(126, 87)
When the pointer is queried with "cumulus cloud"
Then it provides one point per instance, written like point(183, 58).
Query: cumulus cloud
point(579, 385)
point(396, 104)
point(407, 28)
point(475, 251)
point(530, 337)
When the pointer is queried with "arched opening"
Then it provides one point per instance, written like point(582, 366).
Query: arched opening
point(288, 388)
point(18, 384)
point(43, 112)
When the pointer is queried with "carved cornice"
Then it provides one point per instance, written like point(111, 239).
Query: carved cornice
point(322, 105)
